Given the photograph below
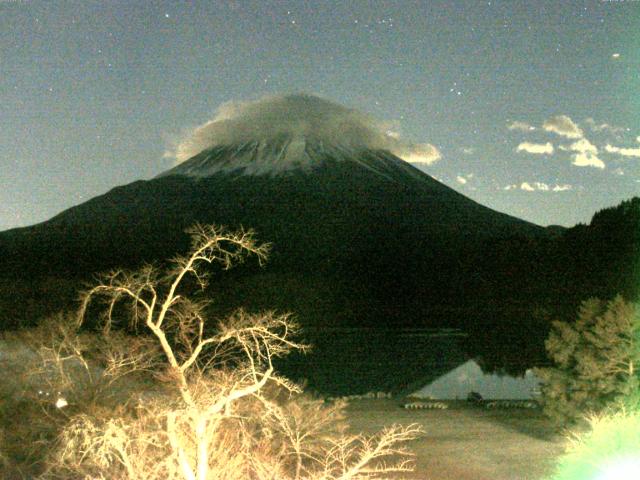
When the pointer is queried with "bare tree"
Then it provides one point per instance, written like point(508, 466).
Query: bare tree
point(217, 408)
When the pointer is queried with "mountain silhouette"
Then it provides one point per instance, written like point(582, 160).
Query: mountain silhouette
point(362, 242)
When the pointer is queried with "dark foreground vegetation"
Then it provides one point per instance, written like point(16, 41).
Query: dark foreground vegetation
point(151, 390)
point(141, 384)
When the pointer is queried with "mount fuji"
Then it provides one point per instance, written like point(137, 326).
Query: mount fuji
point(361, 240)
point(328, 209)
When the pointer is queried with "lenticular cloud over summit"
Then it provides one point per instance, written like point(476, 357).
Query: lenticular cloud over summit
point(298, 116)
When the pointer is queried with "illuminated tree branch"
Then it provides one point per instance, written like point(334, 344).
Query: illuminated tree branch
point(217, 409)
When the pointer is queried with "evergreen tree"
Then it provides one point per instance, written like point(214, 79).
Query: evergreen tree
point(596, 360)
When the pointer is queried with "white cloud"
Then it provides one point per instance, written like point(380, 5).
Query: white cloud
point(531, 187)
point(522, 126)
point(393, 134)
point(587, 159)
point(468, 151)
point(604, 127)
point(464, 179)
point(537, 148)
point(583, 146)
point(619, 171)
point(586, 154)
point(564, 126)
point(538, 187)
point(627, 152)
point(423, 153)
point(299, 115)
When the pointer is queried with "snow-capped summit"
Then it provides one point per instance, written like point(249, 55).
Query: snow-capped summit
point(287, 154)
point(281, 154)
point(290, 131)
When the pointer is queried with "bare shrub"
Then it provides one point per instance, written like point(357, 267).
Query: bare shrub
point(53, 373)
point(189, 402)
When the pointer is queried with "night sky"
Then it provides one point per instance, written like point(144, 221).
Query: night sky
point(533, 106)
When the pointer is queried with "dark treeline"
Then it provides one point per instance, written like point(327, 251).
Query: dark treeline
point(532, 281)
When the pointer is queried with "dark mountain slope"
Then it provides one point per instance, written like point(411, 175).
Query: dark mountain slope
point(359, 239)
point(312, 219)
